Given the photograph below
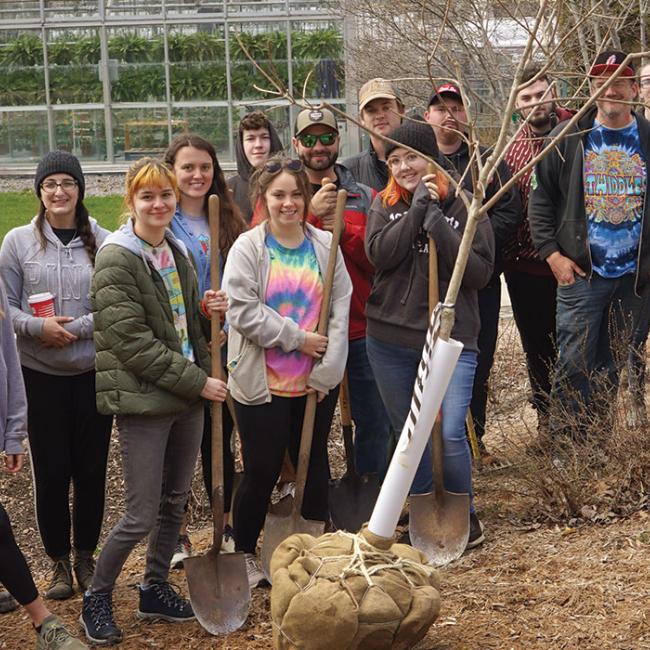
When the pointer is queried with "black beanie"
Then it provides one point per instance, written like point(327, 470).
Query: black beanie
point(59, 162)
point(418, 135)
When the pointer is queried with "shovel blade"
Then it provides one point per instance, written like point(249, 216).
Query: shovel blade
point(219, 591)
point(278, 528)
point(352, 499)
point(439, 525)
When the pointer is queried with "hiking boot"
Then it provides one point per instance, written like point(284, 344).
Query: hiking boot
point(97, 619)
point(54, 636)
point(7, 602)
point(183, 549)
point(84, 568)
point(228, 540)
point(476, 536)
point(162, 601)
point(61, 584)
point(256, 577)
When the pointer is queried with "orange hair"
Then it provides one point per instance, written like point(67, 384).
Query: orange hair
point(393, 192)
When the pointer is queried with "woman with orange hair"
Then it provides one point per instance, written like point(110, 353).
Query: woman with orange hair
point(152, 374)
point(414, 208)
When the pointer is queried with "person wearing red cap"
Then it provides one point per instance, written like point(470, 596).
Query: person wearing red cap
point(590, 221)
point(448, 116)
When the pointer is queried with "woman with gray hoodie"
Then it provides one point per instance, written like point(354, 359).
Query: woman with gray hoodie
point(68, 439)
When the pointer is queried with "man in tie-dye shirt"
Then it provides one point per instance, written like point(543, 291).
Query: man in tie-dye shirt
point(589, 220)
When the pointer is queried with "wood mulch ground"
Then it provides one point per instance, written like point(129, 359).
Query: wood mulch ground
point(531, 585)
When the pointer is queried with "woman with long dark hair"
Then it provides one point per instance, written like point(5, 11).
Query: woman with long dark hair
point(198, 173)
point(68, 439)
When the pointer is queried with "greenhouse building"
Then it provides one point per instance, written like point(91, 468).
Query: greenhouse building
point(112, 80)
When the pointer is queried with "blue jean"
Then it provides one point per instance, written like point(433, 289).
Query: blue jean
point(636, 360)
point(589, 311)
point(371, 423)
point(396, 369)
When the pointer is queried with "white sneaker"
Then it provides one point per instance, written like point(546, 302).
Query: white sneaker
point(183, 549)
point(228, 540)
point(256, 577)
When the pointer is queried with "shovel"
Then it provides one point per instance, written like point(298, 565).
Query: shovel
point(218, 582)
point(278, 527)
point(439, 520)
point(352, 497)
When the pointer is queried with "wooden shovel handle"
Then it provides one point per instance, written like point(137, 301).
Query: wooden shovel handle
point(323, 323)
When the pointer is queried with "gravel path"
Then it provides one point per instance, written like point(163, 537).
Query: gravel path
point(96, 184)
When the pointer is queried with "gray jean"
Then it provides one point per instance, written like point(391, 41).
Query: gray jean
point(159, 453)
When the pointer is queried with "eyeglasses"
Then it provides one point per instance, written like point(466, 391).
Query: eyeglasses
point(395, 162)
point(309, 140)
point(274, 166)
point(51, 186)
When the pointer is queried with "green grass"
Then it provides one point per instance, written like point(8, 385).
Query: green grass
point(18, 208)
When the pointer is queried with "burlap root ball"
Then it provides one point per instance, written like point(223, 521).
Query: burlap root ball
point(346, 592)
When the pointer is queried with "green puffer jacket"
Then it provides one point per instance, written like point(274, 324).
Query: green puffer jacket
point(140, 367)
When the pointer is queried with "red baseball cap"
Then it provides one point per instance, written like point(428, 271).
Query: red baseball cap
point(610, 62)
point(445, 89)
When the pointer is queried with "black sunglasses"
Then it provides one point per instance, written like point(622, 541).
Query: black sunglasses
point(309, 140)
point(274, 166)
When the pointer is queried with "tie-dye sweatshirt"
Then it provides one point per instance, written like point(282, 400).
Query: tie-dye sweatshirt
point(294, 290)
point(162, 259)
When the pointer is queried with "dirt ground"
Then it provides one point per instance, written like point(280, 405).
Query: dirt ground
point(531, 585)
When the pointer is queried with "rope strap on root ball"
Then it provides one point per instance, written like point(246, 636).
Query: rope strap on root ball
point(349, 591)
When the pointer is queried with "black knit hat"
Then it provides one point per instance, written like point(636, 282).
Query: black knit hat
point(59, 162)
point(418, 135)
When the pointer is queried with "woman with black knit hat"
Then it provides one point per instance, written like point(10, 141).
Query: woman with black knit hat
point(411, 209)
point(46, 267)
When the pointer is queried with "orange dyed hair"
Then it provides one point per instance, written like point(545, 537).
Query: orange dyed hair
point(393, 192)
point(147, 172)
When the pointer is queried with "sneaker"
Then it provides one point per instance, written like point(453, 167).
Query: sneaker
point(256, 577)
point(54, 636)
point(84, 568)
point(228, 540)
point(476, 536)
point(97, 619)
point(162, 601)
point(7, 602)
point(183, 549)
point(61, 584)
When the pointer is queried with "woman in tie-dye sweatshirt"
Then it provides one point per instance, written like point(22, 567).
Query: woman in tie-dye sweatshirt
point(274, 281)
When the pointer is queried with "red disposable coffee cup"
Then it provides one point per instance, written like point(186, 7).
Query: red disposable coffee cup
point(42, 304)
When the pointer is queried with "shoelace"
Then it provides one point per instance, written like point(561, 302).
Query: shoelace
point(169, 595)
point(101, 610)
point(60, 571)
point(56, 634)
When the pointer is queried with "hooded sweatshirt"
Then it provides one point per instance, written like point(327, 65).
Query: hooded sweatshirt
point(13, 402)
point(64, 271)
point(239, 184)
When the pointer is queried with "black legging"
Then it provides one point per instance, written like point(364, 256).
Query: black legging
point(14, 572)
point(68, 441)
point(266, 431)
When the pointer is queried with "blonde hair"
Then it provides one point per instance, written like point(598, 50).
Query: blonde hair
point(147, 172)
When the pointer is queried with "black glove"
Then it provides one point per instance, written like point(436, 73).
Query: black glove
point(420, 203)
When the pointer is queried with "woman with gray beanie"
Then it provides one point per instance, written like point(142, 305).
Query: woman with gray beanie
point(47, 267)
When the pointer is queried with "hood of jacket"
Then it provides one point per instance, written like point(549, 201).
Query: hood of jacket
point(244, 168)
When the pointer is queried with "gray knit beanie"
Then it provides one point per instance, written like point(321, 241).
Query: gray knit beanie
point(418, 135)
point(59, 162)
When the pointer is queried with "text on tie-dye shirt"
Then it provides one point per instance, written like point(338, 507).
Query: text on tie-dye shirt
point(163, 261)
point(295, 291)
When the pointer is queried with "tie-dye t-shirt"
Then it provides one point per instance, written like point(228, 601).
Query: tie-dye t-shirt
point(294, 290)
point(163, 261)
point(615, 184)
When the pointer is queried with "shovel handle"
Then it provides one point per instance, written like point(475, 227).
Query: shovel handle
point(214, 215)
point(323, 322)
point(346, 424)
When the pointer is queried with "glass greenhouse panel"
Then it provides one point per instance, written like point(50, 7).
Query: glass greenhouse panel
point(184, 7)
point(210, 123)
point(197, 63)
point(57, 9)
point(255, 6)
point(73, 62)
point(136, 64)
point(24, 10)
point(23, 136)
point(139, 132)
point(22, 80)
point(81, 132)
point(133, 7)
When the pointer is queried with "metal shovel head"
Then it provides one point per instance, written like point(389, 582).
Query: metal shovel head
point(352, 499)
point(277, 528)
point(219, 590)
point(439, 525)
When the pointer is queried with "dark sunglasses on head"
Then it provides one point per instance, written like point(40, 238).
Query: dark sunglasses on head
point(309, 140)
point(274, 166)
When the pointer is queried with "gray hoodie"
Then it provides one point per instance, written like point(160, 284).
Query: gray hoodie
point(13, 402)
point(65, 271)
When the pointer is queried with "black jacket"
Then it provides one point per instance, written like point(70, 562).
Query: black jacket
point(239, 184)
point(368, 169)
point(556, 208)
point(397, 245)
